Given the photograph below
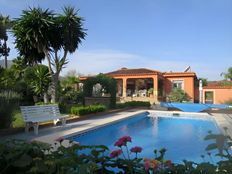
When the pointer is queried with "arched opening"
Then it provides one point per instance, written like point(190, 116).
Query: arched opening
point(99, 88)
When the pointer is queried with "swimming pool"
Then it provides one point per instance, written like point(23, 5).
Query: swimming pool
point(182, 137)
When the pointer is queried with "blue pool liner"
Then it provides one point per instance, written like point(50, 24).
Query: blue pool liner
point(192, 107)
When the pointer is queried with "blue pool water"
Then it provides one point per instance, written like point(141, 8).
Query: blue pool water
point(183, 138)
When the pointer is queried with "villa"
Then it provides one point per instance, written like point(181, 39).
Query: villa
point(151, 85)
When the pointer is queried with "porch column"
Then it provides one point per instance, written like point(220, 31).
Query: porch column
point(155, 88)
point(124, 85)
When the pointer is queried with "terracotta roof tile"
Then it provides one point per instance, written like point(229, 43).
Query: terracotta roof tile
point(144, 71)
point(216, 85)
point(168, 74)
point(139, 71)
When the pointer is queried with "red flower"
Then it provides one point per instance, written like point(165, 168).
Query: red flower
point(115, 153)
point(136, 149)
point(123, 141)
point(147, 165)
point(119, 143)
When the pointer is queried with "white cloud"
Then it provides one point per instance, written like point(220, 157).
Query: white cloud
point(100, 61)
point(96, 61)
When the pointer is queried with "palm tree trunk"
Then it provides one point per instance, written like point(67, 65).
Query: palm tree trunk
point(45, 98)
point(6, 53)
point(35, 98)
point(54, 86)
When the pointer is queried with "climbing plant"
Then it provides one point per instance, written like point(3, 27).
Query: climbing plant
point(107, 83)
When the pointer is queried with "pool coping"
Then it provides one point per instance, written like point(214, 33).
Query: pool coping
point(49, 135)
point(102, 125)
point(144, 111)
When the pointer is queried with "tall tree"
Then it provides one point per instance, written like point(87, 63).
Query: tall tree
point(204, 81)
point(227, 75)
point(42, 34)
point(5, 24)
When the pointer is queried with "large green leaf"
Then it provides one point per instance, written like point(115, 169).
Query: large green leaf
point(211, 147)
point(23, 161)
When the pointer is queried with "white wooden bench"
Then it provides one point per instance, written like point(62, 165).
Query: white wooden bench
point(33, 115)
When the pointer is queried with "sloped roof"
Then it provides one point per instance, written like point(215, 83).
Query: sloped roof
point(138, 71)
point(172, 74)
point(216, 85)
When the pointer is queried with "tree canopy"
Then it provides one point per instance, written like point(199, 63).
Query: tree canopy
point(5, 25)
point(43, 34)
point(227, 75)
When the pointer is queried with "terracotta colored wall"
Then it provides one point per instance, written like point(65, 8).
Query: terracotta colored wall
point(220, 95)
point(188, 85)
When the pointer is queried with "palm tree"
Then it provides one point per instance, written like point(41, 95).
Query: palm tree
point(19, 65)
point(38, 78)
point(32, 33)
point(40, 33)
point(227, 77)
point(5, 24)
point(228, 74)
point(69, 34)
point(69, 81)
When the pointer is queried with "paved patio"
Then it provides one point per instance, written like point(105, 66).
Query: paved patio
point(224, 120)
point(49, 135)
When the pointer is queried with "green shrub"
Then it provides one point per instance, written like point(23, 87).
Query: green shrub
point(65, 108)
point(133, 104)
point(83, 110)
point(72, 97)
point(17, 120)
point(178, 95)
point(8, 104)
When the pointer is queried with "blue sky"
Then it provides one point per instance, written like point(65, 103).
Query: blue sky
point(166, 35)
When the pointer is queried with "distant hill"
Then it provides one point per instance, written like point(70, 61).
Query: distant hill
point(9, 63)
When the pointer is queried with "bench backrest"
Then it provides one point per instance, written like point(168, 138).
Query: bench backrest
point(48, 112)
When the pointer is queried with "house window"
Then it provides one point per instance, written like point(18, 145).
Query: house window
point(178, 84)
point(209, 97)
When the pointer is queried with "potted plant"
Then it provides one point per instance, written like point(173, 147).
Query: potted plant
point(150, 92)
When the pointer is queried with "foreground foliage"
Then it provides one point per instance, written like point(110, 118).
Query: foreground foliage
point(34, 157)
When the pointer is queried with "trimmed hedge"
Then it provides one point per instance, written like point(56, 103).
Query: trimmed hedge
point(133, 104)
point(83, 110)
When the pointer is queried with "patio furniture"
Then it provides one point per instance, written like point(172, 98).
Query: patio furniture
point(143, 93)
point(33, 115)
